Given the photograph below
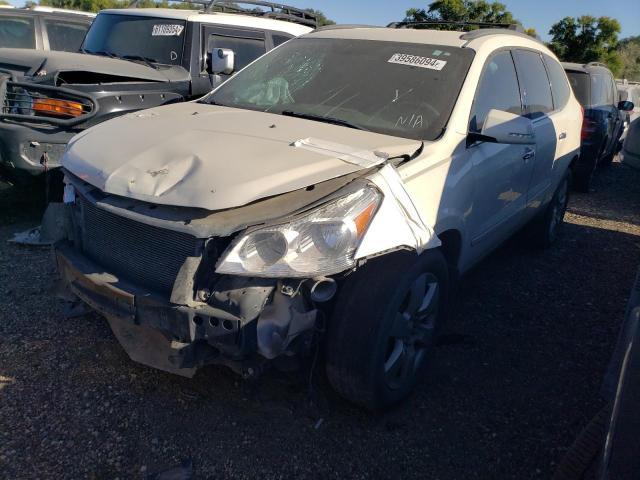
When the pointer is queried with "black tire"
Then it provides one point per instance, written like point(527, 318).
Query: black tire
point(607, 160)
point(582, 181)
point(582, 460)
point(372, 325)
point(544, 230)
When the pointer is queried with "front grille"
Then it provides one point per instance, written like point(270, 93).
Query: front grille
point(143, 254)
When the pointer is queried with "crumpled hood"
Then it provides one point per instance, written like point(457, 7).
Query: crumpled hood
point(204, 156)
point(31, 62)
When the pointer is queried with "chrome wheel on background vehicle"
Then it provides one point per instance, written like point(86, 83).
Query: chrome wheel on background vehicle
point(413, 331)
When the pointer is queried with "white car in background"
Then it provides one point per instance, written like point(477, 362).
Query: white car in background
point(330, 194)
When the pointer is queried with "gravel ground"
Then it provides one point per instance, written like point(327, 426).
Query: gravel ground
point(517, 376)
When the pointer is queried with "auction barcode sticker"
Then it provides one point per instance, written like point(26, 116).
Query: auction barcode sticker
point(416, 61)
point(167, 30)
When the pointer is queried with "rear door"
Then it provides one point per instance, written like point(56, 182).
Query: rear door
point(602, 110)
point(538, 106)
point(566, 127)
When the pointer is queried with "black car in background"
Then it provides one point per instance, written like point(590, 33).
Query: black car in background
point(602, 126)
point(608, 447)
point(43, 28)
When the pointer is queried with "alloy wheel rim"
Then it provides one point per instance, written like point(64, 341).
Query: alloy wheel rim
point(559, 209)
point(412, 333)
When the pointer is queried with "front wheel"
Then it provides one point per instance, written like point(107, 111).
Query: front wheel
point(383, 330)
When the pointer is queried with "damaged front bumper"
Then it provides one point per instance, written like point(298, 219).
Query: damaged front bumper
point(242, 324)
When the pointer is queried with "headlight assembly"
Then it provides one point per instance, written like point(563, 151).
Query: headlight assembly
point(323, 242)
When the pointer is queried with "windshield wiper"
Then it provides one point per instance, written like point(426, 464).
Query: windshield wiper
point(147, 60)
point(320, 118)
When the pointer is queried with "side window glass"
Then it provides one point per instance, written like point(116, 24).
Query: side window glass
point(560, 88)
point(534, 83)
point(498, 89)
point(17, 32)
point(598, 90)
point(611, 92)
point(65, 36)
point(246, 49)
point(279, 39)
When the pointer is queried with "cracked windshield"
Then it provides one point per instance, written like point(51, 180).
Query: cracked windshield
point(401, 89)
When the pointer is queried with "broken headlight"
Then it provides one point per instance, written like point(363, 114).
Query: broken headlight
point(323, 242)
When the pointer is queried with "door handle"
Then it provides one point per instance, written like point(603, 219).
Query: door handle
point(562, 136)
point(528, 154)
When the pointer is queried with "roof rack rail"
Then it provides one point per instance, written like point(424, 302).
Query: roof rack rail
point(483, 32)
point(596, 64)
point(462, 23)
point(276, 11)
point(345, 27)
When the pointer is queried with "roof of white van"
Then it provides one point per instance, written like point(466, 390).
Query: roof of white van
point(234, 19)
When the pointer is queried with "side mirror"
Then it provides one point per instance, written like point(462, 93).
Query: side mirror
point(222, 61)
point(626, 106)
point(505, 127)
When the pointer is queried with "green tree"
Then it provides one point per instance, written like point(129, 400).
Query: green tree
point(587, 39)
point(322, 18)
point(629, 53)
point(461, 11)
point(479, 11)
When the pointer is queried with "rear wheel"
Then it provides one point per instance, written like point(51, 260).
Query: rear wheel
point(545, 230)
point(382, 334)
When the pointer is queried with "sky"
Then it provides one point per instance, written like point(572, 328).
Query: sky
point(540, 14)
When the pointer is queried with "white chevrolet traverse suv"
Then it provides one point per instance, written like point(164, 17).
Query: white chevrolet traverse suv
point(328, 195)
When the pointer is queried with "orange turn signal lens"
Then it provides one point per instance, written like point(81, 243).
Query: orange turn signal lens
point(62, 108)
point(364, 218)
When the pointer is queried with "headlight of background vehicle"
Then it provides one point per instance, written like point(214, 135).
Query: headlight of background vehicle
point(322, 242)
point(57, 108)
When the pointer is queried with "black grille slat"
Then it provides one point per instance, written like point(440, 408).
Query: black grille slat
point(146, 255)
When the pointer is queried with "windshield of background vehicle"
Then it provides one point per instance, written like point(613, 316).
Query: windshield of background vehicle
point(401, 89)
point(17, 32)
point(158, 40)
point(580, 83)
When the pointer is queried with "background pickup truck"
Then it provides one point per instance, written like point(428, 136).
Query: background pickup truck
point(131, 59)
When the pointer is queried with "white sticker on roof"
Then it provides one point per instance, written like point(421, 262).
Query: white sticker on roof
point(417, 61)
point(167, 30)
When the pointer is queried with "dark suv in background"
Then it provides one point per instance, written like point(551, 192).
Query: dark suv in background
point(43, 28)
point(595, 89)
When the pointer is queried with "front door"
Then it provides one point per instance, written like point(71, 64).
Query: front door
point(247, 45)
point(501, 172)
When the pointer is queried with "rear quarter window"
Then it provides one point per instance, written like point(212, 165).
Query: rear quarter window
point(560, 89)
point(579, 82)
point(17, 32)
point(601, 90)
point(279, 39)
